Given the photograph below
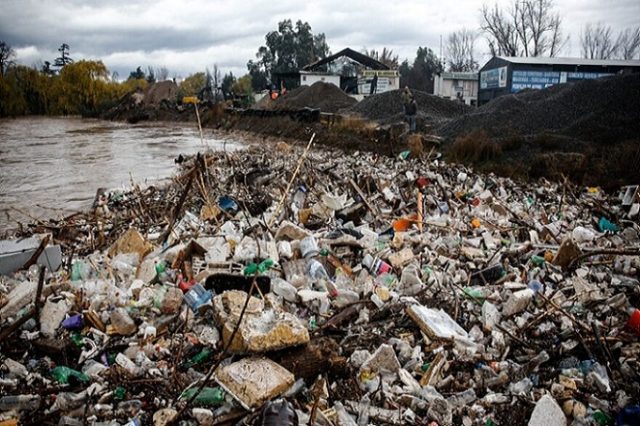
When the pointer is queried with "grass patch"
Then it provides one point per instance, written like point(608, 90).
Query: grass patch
point(475, 147)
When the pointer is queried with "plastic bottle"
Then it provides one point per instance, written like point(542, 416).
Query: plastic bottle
point(262, 267)
point(279, 413)
point(20, 402)
point(284, 289)
point(79, 271)
point(200, 357)
point(74, 322)
point(122, 322)
point(62, 374)
point(363, 411)
point(537, 260)
point(344, 419)
point(197, 297)
point(207, 396)
point(582, 234)
point(299, 197)
point(131, 407)
point(605, 225)
point(374, 265)
point(119, 393)
point(316, 270)
point(309, 247)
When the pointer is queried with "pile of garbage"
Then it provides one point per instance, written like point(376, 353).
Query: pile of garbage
point(387, 107)
point(283, 286)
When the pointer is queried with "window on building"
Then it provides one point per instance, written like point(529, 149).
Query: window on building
point(304, 78)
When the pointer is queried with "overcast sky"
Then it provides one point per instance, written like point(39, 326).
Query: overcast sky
point(188, 36)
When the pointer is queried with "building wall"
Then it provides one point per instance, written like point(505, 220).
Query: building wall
point(499, 77)
point(451, 88)
point(308, 79)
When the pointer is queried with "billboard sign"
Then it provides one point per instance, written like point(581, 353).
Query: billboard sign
point(533, 79)
point(521, 79)
point(493, 79)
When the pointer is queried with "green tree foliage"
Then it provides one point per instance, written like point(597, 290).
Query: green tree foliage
point(81, 88)
point(286, 50)
point(243, 87)
point(64, 59)
point(421, 73)
point(193, 84)
point(227, 84)
point(138, 74)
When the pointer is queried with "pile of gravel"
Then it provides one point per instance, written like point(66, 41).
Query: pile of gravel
point(387, 107)
point(320, 95)
point(155, 93)
point(602, 109)
point(324, 96)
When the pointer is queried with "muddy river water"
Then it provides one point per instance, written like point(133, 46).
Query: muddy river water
point(50, 167)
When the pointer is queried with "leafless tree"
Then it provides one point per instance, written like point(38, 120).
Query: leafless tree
point(598, 42)
point(162, 73)
point(526, 28)
point(460, 50)
point(629, 43)
point(217, 77)
point(386, 56)
point(6, 57)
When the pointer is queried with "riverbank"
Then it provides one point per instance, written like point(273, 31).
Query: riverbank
point(569, 131)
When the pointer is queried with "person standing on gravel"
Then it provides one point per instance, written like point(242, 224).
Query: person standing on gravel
point(411, 110)
point(406, 98)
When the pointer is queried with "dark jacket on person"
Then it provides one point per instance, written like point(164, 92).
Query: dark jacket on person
point(412, 108)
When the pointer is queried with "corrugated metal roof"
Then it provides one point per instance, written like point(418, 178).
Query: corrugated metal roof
point(459, 75)
point(349, 53)
point(539, 60)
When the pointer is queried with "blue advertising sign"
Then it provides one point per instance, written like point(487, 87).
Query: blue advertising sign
point(533, 79)
point(541, 79)
point(492, 79)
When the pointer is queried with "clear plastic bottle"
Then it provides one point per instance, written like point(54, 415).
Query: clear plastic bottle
point(20, 402)
point(279, 413)
point(344, 419)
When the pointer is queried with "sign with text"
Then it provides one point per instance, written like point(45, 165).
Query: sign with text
point(493, 79)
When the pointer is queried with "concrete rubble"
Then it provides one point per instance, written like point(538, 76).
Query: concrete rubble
point(374, 291)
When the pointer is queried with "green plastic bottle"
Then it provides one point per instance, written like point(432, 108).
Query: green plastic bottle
point(208, 396)
point(119, 393)
point(62, 374)
point(537, 260)
point(77, 339)
point(265, 265)
point(603, 419)
point(252, 268)
point(200, 357)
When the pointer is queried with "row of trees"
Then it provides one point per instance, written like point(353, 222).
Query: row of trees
point(86, 87)
point(524, 28)
point(79, 88)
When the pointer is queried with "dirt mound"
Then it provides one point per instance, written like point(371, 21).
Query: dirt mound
point(387, 107)
point(596, 110)
point(155, 93)
point(320, 95)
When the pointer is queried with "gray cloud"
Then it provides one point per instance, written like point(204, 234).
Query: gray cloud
point(188, 36)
